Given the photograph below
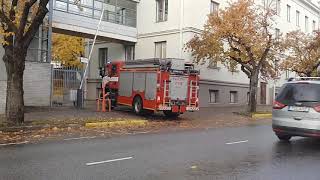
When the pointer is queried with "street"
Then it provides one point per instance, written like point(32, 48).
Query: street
point(249, 152)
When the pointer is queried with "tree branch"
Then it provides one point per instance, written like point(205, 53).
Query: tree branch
point(266, 51)
point(247, 72)
point(244, 65)
point(8, 22)
point(24, 18)
point(12, 13)
point(37, 21)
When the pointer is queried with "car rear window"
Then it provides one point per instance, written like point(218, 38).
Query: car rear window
point(299, 92)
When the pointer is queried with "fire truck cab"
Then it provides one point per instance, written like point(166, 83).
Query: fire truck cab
point(168, 85)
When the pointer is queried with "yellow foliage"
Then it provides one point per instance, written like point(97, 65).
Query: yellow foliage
point(302, 53)
point(238, 35)
point(16, 17)
point(67, 49)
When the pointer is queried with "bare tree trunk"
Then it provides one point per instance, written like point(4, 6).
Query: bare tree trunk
point(14, 61)
point(253, 89)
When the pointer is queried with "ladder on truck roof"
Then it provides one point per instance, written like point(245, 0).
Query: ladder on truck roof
point(149, 63)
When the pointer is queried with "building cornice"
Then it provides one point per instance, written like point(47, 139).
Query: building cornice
point(169, 32)
point(309, 4)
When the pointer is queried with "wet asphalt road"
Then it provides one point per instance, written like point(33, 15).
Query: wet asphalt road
point(229, 153)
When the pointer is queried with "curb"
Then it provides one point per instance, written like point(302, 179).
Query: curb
point(124, 123)
point(259, 116)
point(32, 128)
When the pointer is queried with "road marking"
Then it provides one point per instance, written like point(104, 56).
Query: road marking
point(144, 132)
point(108, 161)
point(89, 137)
point(24, 142)
point(237, 142)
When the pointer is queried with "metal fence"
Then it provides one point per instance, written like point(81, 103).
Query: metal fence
point(65, 82)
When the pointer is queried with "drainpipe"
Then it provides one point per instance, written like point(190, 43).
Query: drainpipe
point(181, 27)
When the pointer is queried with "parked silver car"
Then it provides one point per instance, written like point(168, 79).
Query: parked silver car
point(296, 110)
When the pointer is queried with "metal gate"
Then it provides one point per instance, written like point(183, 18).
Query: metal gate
point(65, 82)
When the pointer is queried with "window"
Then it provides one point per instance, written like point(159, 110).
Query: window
point(214, 96)
point(233, 97)
point(298, 18)
point(121, 15)
point(129, 53)
point(288, 13)
point(103, 57)
point(248, 97)
point(277, 35)
point(278, 4)
point(307, 94)
point(314, 25)
point(160, 49)
point(265, 3)
point(214, 7)
point(306, 23)
point(162, 10)
point(213, 65)
point(287, 74)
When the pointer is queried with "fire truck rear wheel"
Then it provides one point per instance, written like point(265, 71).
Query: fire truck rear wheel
point(137, 105)
point(171, 114)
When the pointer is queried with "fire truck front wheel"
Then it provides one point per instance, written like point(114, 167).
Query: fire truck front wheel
point(137, 105)
point(171, 114)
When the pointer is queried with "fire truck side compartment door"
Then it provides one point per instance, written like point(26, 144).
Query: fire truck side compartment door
point(178, 87)
point(126, 81)
point(151, 86)
point(139, 81)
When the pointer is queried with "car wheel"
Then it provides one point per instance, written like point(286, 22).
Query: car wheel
point(171, 114)
point(284, 137)
point(137, 105)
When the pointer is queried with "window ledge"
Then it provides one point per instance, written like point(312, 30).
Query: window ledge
point(214, 68)
point(234, 103)
point(161, 21)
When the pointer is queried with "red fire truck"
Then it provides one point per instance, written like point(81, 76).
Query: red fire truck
point(168, 85)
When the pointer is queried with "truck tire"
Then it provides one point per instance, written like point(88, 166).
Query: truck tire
point(137, 105)
point(170, 114)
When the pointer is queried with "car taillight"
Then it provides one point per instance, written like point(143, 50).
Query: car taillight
point(317, 108)
point(278, 105)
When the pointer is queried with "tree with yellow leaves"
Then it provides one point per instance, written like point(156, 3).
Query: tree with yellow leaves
point(19, 22)
point(239, 35)
point(67, 49)
point(302, 53)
